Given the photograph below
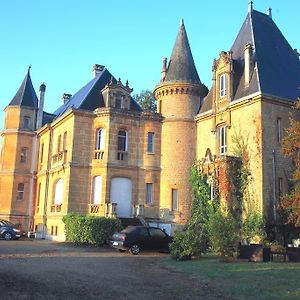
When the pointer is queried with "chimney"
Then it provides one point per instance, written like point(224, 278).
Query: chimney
point(164, 69)
point(97, 69)
point(250, 6)
point(65, 98)
point(248, 52)
point(269, 12)
point(39, 118)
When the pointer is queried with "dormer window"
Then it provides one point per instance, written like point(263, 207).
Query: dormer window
point(118, 103)
point(223, 85)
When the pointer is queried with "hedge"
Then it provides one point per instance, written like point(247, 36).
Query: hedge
point(85, 229)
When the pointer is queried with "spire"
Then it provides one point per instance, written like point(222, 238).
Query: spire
point(181, 66)
point(26, 95)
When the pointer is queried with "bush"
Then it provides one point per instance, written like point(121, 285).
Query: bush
point(189, 243)
point(84, 229)
point(224, 233)
point(253, 228)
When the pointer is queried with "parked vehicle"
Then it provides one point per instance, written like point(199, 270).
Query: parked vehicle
point(9, 231)
point(138, 238)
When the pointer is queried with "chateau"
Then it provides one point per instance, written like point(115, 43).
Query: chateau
point(100, 154)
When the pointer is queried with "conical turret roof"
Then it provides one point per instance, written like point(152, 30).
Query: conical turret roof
point(26, 95)
point(181, 66)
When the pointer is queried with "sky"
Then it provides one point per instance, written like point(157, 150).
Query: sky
point(63, 39)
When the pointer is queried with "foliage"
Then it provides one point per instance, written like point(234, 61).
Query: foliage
point(290, 203)
point(194, 240)
point(253, 228)
point(189, 243)
point(84, 229)
point(224, 233)
point(146, 100)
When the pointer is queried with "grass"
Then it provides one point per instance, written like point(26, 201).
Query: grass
point(244, 280)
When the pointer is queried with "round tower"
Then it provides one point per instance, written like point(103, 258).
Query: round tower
point(178, 97)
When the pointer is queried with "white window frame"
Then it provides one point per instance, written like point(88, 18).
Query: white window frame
point(100, 139)
point(222, 140)
point(223, 85)
point(174, 200)
point(149, 193)
point(21, 188)
point(150, 142)
point(279, 130)
point(126, 140)
point(97, 190)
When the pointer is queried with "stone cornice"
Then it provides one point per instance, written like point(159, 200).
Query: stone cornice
point(170, 88)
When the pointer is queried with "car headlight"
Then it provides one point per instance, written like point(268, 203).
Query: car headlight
point(16, 230)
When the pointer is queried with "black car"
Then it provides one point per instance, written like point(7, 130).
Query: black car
point(137, 238)
point(9, 231)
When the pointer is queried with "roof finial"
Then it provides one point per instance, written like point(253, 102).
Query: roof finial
point(181, 22)
point(250, 6)
point(269, 12)
point(29, 68)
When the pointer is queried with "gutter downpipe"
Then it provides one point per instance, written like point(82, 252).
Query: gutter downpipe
point(274, 184)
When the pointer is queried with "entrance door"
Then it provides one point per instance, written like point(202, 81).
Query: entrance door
point(121, 193)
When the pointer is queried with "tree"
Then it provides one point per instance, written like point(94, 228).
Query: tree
point(290, 203)
point(146, 100)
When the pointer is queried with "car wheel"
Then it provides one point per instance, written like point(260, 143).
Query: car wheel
point(135, 249)
point(121, 250)
point(7, 236)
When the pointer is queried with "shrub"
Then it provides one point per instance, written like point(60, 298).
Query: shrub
point(224, 233)
point(253, 228)
point(190, 243)
point(84, 229)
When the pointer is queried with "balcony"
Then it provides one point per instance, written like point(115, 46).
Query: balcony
point(59, 158)
point(111, 210)
point(55, 208)
point(94, 208)
point(99, 154)
point(122, 155)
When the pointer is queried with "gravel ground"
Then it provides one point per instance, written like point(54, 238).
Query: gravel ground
point(36, 269)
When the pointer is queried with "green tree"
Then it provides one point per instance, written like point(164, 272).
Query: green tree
point(146, 100)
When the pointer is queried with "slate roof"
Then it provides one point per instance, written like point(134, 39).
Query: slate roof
point(277, 67)
point(47, 118)
point(26, 95)
point(89, 97)
point(181, 67)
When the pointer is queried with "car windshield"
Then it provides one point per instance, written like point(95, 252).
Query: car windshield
point(128, 229)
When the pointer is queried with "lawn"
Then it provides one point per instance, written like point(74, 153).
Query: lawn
point(244, 280)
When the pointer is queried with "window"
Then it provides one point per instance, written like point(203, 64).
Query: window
point(58, 143)
point(65, 141)
point(174, 199)
point(26, 122)
point(23, 156)
point(150, 142)
point(222, 140)
point(280, 187)
point(279, 130)
point(58, 192)
point(223, 85)
point(38, 198)
point(20, 191)
point(42, 153)
point(156, 232)
point(149, 193)
point(100, 139)
point(97, 190)
point(118, 103)
point(122, 145)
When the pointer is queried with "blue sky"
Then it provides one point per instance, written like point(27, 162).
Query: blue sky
point(62, 39)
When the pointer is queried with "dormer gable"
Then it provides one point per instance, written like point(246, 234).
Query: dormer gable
point(222, 80)
point(117, 95)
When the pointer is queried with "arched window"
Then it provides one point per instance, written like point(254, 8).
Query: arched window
point(100, 139)
point(58, 192)
point(97, 190)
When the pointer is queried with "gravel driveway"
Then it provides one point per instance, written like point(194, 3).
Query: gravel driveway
point(36, 269)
